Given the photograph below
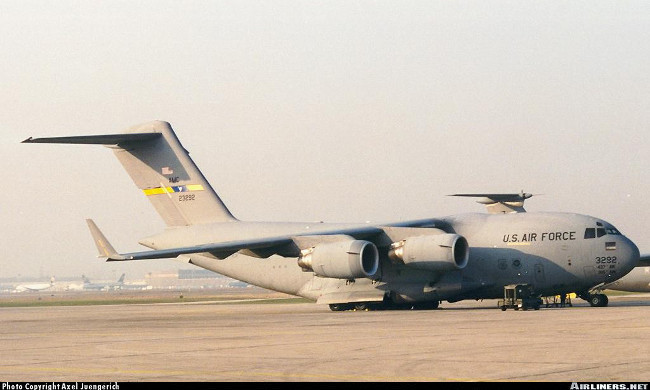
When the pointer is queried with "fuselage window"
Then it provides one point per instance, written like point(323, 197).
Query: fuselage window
point(590, 233)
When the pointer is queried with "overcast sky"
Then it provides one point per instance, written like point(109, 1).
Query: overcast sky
point(342, 111)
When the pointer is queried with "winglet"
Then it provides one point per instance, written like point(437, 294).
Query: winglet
point(103, 246)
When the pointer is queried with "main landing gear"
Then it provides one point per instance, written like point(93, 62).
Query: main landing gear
point(364, 306)
point(360, 306)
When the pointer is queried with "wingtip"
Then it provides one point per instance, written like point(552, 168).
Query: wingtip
point(118, 257)
point(104, 248)
point(28, 140)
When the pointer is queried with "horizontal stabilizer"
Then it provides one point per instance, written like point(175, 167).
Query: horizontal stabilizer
point(107, 139)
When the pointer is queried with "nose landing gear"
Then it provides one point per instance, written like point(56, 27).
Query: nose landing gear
point(598, 300)
point(595, 300)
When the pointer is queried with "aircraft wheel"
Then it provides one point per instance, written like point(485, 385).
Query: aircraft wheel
point(361, 306)
point(598, 300)
point(431, 305)
point(339, 306)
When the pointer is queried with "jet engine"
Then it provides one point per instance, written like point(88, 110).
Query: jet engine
point(342, 259)
point(440, 252)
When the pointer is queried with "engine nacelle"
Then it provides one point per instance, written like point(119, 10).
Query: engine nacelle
point(342, 259)
point(440, 252)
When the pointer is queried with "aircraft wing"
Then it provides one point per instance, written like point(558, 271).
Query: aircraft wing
point(644, 261)
point(106, 249)
point(225, 248)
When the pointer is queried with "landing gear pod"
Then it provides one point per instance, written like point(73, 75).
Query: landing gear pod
point(342, 260)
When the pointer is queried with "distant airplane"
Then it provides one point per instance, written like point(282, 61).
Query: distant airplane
point(35, 287)
point(102, 286)
point(410, 264)
point(136, 286)
point(74, 287)
point(238, 284)
point(638, 280)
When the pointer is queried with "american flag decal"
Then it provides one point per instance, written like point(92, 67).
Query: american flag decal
point(610, 246)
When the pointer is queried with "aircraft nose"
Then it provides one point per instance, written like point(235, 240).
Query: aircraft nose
point(629, 255)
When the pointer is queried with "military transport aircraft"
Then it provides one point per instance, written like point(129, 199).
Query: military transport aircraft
point(413, 264)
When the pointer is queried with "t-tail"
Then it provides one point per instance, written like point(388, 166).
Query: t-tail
point(163, 170)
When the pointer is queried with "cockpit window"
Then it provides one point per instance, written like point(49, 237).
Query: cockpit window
point(601, 231)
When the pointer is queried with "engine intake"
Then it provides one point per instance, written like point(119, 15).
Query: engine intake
point(342, 259)
point(440, 252)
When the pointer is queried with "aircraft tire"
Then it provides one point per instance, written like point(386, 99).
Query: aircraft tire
point(431, 305)
point(361, 306)
point(339, 306)
point(598, 300)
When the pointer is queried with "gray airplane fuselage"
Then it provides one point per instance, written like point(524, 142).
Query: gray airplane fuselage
point(554, 252)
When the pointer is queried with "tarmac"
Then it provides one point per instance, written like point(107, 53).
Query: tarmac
point(236, 339)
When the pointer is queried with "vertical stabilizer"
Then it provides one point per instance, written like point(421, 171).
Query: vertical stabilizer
point(166, 174)
point(163, 171)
